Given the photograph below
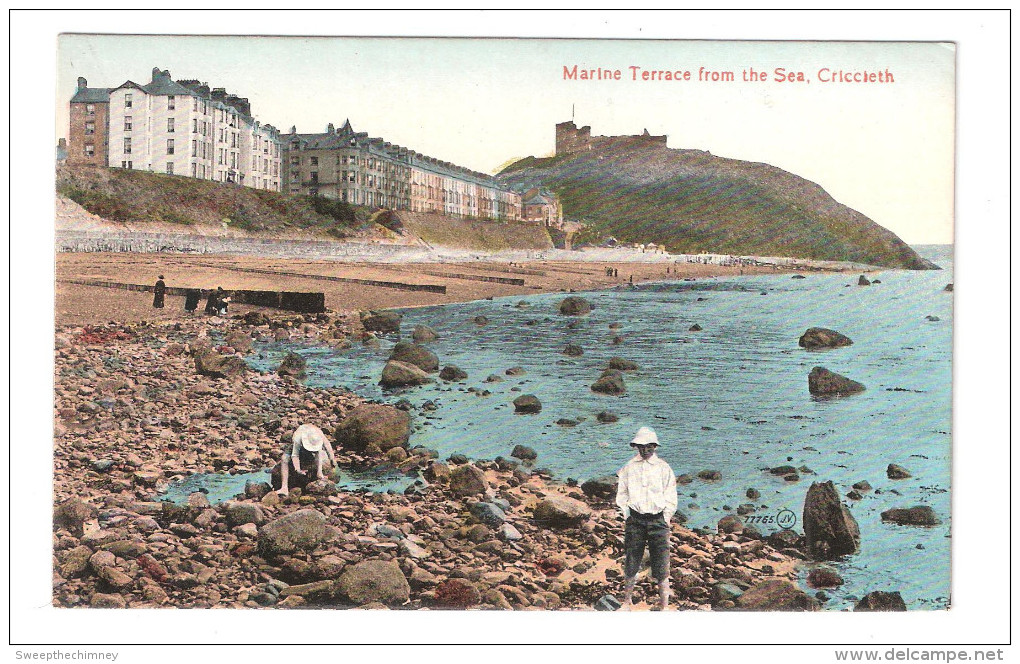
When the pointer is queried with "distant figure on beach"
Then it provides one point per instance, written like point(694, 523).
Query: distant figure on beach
point(310, 448)
point(191, 299)
point(212, 305)
point(646, 496)
point(160, 293)
point(632, 280)
point(616, 273)
point(224, 302)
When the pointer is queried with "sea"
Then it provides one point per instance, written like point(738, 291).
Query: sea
point(732, 397)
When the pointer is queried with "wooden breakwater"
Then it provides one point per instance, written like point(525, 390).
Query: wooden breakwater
point(509, 269)
point(399, 285)
point(301, 302)
point(511, 281)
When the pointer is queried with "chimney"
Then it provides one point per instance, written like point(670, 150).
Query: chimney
point(293, 129)
point(330, 129)
point(156, 73)
point(82, 83)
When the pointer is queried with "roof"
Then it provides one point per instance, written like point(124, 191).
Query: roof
point(164, 85)
point(91, 96)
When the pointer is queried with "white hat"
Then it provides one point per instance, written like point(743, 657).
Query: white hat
point(645, 436)
point(310, 437)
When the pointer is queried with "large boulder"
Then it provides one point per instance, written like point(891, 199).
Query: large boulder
point(527, 404)
point(401, 374)
point(380, 321)
point(879, 600)
point(239, 513)
point(829, 528)
point(374, 581)
point(298, 531)
point(293, 365)
point(610, 382)
point(423, 334)
point(238, 340)
point(603, 488)
point(822, 382)
point(467, 480)
point(575, 306)
point(556, 511)
point(918, 515)
point(376, 425)
point(72, 515)
point(896, 472)
point(524, 453)
point(210, 363)
point(776, 595)
point(419, 356)
point(490, 514)
point(819, 337)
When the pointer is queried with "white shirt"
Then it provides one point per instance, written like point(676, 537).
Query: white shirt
point(648, 487)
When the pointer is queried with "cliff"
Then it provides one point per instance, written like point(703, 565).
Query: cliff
point(692, 201)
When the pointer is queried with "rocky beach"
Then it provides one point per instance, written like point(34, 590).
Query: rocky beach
point(138, 406)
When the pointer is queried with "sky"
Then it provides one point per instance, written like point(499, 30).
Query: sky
point(884, 149)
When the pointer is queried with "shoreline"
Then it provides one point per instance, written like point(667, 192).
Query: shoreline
point(79, 304)
point(132, 413)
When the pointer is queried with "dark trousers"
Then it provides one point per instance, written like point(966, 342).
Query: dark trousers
point(653, 531)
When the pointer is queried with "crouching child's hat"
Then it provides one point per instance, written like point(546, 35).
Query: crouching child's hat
point(310, 437)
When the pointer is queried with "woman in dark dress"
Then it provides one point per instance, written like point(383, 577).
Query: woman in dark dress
point(191, 300)
point(160, 293)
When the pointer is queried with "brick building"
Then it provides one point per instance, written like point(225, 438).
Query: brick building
point(354, 167)
point(542, 206)
point(88, 135)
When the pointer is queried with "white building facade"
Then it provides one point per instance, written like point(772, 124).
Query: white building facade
point(185, 128)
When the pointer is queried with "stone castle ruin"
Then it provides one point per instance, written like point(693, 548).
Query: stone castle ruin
point(570, 139)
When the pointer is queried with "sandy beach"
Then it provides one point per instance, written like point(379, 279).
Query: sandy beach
point(78, 304)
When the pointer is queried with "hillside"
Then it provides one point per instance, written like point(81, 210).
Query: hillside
point(692, 201)
point(114, 200)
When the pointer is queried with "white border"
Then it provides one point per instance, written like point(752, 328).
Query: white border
point(981, 473)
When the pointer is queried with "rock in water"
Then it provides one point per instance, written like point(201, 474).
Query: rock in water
point(419, 356)
point(948, 288)
point(556, 511)
point(381, 321)
point(374, 581)
point(919, 515)
point(424, 333)
point(824, 577)
point(293, 365)
point(829, 527)
point(211, 363)
point(730, 524)
point(301, 530)
point(296, 481)
point(453, 373)
point(601, 487)
point(527, 404)
point(467, 480)
point(239, 341)
point(575, 306)
point(776, 595)
point(401, 374)
point(573, 350)
point(621, 364)
point(611, 383)
point(819, 337)
point(379, 425)
point(897, 472)
point(524, 453)
point(879, 600)
point(822, 382)
point(863, 281)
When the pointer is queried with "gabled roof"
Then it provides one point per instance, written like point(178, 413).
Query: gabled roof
point(91, 96)
point(164, 85)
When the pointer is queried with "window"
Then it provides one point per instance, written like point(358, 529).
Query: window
point(314, 176)
point(90, 150)
point(194, 148)
point(90, 109)
point(221, 157)
point(127, 100)
point(194, 170)
point(194, 126)
point(125, 164)
point(127, 123)
point(169, 146)
point(127, 146)
point(295, 161)
point(194, 107)
point(171, 102)
point(314, 161)
point(233, 160)
point(170, 124)
point(170, 168)
point(90, 128)
point(233, 140)
point(221, 136)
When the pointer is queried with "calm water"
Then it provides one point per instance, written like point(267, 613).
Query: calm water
point(732, 397)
